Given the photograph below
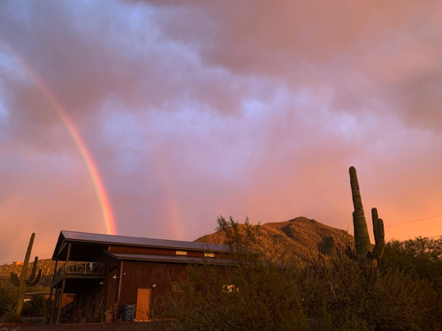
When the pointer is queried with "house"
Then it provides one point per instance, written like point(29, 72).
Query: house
point(114, 277)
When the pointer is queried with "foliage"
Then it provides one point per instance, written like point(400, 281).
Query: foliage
point(8, 303)
point(420, 259)
point(360, 294)
point(239, 296)
point(9, 317)
point(259, 293)
point(36, 306)
point(8, 299)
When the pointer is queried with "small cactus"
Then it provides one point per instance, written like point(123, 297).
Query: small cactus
point(362, 239)
point(21, 282)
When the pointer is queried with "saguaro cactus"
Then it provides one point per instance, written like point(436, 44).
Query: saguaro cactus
point(362, 239)
point(21, 282)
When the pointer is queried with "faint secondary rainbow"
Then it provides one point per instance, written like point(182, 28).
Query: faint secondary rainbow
point(171, 207)
point(76, 136)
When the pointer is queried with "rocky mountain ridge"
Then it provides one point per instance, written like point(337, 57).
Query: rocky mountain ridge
point(301, 237)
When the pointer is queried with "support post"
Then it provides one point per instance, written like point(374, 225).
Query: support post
point(52, 302)
point(57, 321)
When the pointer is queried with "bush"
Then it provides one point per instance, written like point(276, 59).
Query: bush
point(9, 317)
point(36, 306)
point(421, 260)
point(257, 292)
point(8, 299)
point(252, 293)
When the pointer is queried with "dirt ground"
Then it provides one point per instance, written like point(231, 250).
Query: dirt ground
point(77, 327)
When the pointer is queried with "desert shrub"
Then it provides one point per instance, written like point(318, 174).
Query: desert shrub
point(36, 306)
point(251, 293)
point(8, 299)
point(257, 292)
point(361, 293)
point(421, 260)
point(9, 317)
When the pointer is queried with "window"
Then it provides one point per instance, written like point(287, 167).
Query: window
point(207, 254)
point(230, 288)
point(181, 253)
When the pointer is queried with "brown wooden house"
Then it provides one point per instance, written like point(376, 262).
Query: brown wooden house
point(117, 277)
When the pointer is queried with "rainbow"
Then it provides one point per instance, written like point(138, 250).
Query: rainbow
point(76, 136)
point(171, 209)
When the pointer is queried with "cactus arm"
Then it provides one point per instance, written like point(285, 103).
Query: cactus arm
point(35, 281)
point(362, 239)
point(374, 218)
point(379, 234)
point(15, 280)
point(34, 270)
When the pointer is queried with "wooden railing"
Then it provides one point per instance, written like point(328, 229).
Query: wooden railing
point(79, 268)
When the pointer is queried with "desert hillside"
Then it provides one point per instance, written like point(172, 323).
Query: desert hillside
point(46, 266)
point(301, 237)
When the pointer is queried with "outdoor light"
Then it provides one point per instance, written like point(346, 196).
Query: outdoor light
point(154, 285)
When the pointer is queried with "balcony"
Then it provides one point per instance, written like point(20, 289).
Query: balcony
point(79, 270)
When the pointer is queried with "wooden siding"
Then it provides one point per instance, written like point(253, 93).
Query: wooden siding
point(112, 285)
point(145, 274)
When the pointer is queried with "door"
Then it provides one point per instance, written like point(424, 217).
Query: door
point(143, 300)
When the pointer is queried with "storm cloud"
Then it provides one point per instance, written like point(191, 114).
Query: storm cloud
point(195, 109)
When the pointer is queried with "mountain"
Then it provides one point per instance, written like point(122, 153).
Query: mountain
point(301, 238)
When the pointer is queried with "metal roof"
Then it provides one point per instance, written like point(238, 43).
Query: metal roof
point(170, 258)
point(105, 239)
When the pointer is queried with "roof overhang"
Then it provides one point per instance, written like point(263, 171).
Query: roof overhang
point(89, 246)
point(170, 259)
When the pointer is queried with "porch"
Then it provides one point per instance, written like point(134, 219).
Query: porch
point(80, 270)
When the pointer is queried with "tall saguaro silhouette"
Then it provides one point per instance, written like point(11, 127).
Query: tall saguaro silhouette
point(362, 239)
point(21, 282)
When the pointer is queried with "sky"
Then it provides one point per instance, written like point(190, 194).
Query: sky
point(152, 118)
